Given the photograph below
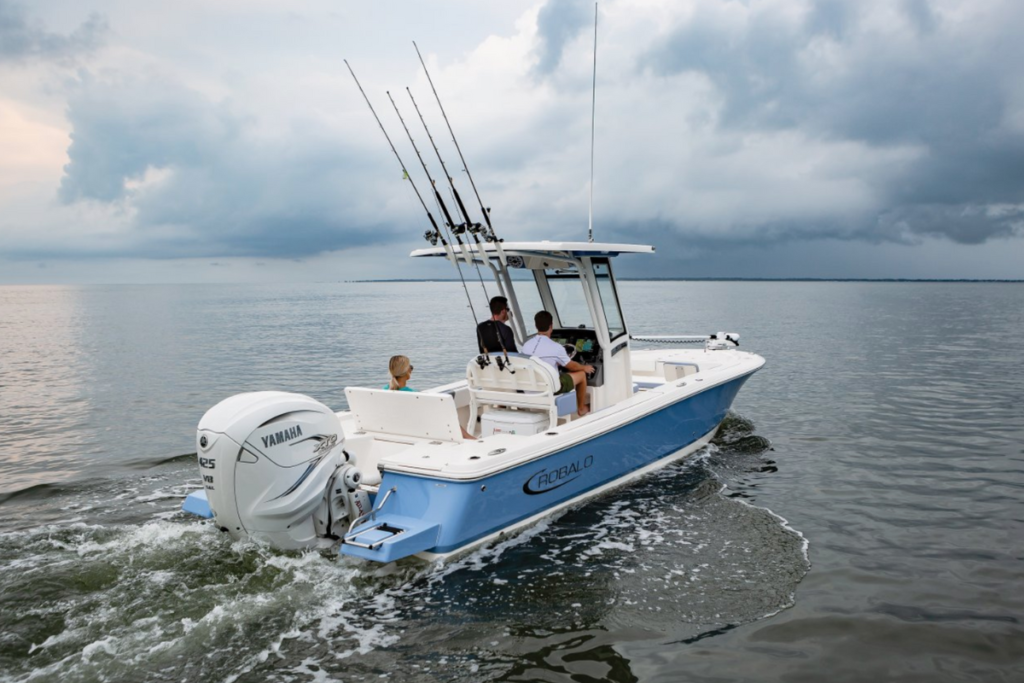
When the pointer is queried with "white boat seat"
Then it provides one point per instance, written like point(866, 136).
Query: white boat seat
point(415, 414)
point(531, 387)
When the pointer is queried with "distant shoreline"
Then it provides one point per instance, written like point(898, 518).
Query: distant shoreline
point(731, 279)
point(447, 280)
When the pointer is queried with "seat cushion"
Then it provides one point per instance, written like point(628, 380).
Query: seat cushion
point(566, 403)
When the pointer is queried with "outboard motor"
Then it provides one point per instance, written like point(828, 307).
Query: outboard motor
point(269, 462)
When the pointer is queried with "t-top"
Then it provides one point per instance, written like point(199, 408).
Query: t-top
point(487, 337)
point(551, 352)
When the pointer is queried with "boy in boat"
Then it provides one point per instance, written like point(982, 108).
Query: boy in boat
point(494, 335)
point(551, 352)
point(400, 370)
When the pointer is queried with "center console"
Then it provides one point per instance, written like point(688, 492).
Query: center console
point(588, 351)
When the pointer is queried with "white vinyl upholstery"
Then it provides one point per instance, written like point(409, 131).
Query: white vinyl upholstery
point(529, 384)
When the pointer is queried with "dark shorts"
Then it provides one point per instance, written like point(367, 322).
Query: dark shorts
point(567, 384)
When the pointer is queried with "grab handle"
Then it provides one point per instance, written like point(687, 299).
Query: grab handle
point(372, 514)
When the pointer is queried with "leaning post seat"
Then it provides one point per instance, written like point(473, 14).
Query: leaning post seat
point(529, 384)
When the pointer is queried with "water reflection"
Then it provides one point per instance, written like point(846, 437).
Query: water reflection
point(888, 431)
point(44, 371)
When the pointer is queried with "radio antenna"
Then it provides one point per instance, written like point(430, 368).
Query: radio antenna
point(593, 116)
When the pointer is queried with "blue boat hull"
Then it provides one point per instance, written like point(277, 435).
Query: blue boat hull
point(461, 513)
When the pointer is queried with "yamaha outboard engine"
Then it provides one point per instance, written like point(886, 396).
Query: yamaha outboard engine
point(270, 461)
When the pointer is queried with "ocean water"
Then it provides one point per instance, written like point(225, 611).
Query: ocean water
point(859, 517)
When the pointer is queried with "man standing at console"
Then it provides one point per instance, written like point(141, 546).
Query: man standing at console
point(494, 336)
point(551, 352)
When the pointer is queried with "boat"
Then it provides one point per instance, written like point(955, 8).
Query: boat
point(393, 477)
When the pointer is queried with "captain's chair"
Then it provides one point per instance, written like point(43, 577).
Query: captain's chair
point(524, 382)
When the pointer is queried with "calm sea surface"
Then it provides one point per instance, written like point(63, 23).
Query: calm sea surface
point(859, 518)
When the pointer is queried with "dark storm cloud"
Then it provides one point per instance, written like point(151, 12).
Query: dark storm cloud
point(558, 22)
point(924, 82)
point(903, 225)
point(963, 223)
point(119, 129)
point(201, 183)
point(920, 12)
point(22, 39)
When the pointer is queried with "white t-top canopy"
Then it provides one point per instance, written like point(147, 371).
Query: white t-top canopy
point(575, 249)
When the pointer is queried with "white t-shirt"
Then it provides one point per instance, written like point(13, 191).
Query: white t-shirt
point(551, 352)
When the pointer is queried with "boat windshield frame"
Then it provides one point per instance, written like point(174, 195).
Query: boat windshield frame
point(599, 288)
point(568, 304)
point(609, 296)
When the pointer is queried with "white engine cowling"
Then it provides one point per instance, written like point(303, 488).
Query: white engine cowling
point(268, 461)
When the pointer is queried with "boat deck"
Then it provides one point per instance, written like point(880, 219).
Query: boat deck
point(661, 378)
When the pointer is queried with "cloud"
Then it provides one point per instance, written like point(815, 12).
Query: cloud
point(193, 177)
point(720, 125)
point(22, 39)
point(558, 22)
point(961, 223)
point(124, 126)
point(940, 77)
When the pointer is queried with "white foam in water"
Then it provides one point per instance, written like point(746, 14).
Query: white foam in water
point(314, 675)
point(153, 534)
point(159, 495)
point(126, 550)
point(488, 555)
point(804, 549)
point(272, 609)
point(106, 646)
point(351, 620)
point(670, 554)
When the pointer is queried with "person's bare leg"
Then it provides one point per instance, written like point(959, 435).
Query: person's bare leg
point(579, 379)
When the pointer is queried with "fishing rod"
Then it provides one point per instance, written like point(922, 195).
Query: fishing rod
point(491, 236)
point(431, 237)
point(449, 223)
point(451, 181)
point(473, 228)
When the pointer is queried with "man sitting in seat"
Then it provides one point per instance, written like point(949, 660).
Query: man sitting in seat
point(494, 336)
point(543, 348)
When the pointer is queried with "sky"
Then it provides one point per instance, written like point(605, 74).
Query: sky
point(227, 142)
